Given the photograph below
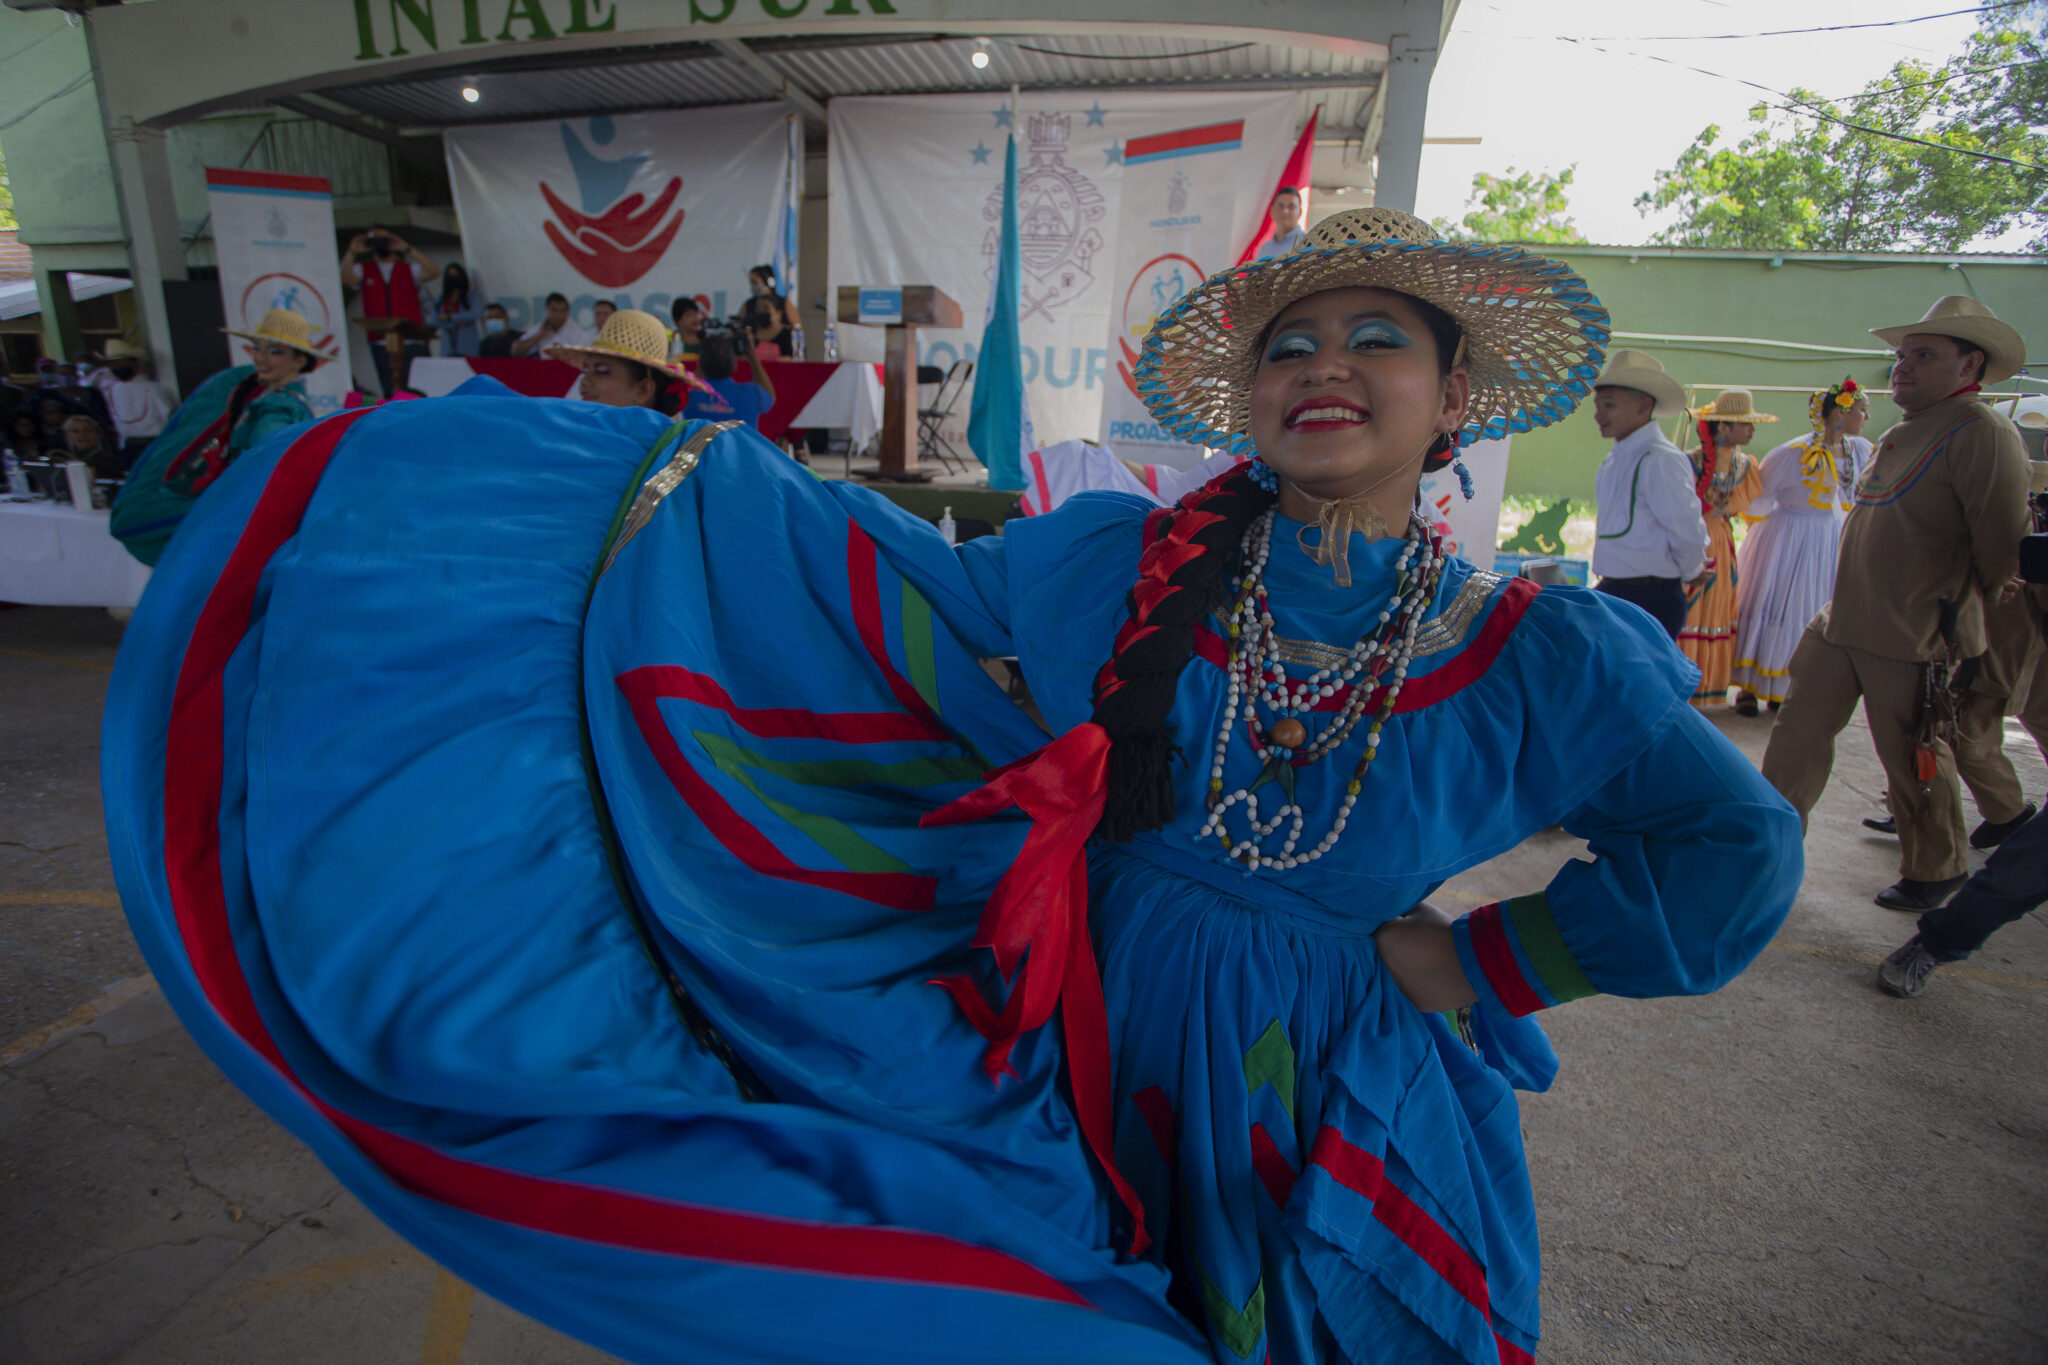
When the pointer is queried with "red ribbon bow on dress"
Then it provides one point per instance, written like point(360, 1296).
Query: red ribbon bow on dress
point(1040, 907)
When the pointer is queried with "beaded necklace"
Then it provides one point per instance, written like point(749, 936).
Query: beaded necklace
point(1376, 665)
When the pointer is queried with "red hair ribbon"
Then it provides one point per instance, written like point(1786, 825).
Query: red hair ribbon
point(1040, 908)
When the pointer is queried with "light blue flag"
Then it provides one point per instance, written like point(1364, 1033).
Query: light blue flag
point(999, 423)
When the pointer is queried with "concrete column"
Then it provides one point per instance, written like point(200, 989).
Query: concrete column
point(1405, 98)
point(60, 314)
point(149, 221)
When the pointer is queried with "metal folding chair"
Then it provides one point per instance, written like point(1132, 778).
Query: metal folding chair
point(931, 439)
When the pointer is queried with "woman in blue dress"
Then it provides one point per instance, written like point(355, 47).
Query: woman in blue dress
point(628, 879)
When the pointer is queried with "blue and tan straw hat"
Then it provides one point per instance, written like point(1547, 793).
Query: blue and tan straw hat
point(1534, 333)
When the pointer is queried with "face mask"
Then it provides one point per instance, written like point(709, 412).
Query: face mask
point(494, 324)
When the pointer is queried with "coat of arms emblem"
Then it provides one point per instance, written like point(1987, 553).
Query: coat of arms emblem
point(1057, 212)
point(1177, 193)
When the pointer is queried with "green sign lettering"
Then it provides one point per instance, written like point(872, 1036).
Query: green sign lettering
point(698, 16)
point(536, 19)
point(582, 13)
point(418, 13)
point(472, 22)
point(784, 9)
point(366, 36)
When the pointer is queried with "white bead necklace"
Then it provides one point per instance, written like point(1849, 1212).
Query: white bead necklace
point(1376, 666)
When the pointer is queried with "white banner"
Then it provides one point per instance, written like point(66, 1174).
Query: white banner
point(273, 238)
point(635, 208)
point(1193, 196)
point(916, 195)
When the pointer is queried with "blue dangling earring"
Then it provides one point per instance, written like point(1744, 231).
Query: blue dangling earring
point(1464, 479)
point(1262, 474)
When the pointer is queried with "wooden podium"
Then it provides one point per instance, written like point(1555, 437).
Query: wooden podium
point(902, 309)
point(393, 334)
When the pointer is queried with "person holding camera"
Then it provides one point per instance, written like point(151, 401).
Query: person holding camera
point(390, 272)
point(768, 314)
point(1933, 533)
point(728, 399)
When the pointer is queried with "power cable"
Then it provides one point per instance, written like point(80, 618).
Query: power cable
point(1789, 32)
point(1793, 105)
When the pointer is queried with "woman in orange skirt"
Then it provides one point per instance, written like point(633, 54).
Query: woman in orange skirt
point(1726, 479)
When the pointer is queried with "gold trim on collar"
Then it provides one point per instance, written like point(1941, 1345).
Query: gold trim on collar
point(1447, 630)
point(661, 483)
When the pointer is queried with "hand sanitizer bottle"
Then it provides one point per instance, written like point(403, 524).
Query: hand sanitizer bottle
point(947, 527)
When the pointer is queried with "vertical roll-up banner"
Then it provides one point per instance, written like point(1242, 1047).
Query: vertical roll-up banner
point(639, 209)
point(273, 239)
point(917, 194)
point(1470, 526)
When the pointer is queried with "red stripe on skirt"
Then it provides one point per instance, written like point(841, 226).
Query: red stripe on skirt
point(1366, 1175)
point(193, 781)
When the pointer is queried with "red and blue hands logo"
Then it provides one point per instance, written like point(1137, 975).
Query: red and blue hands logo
point(616, 237)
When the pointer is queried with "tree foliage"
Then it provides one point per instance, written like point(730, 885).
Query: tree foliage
point(1530, 207)
point(7, 220)
point(1840, 175)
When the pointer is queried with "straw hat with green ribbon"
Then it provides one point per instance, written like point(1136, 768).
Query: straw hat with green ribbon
point(286, 328)
point(1534, 334)
point(630, 334)
point(1733, 405)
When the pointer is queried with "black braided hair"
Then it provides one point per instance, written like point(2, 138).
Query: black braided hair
point(1134, 691)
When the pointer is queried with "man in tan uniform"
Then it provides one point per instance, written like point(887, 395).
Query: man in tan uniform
point(1938, 518)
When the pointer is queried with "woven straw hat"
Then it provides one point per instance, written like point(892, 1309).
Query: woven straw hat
point(119, 349)
point(1533, 332)
point(1959, 316)
point(1733, 405)
point(1641, 371)
point(630, 334)
point(286, 328)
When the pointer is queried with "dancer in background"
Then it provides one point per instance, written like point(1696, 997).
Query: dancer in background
point(1788, 559)
point(1725, 480)
point(225, 416)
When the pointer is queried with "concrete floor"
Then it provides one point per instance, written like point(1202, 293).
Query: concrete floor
point(1795, 1169)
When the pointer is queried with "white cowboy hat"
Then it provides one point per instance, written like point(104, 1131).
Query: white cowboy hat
point(119, 349)
point(1533, 332)
point(1956, 315)
point(1733, 405)
point(630, 334)
point(286, 328)
point(1639, 370)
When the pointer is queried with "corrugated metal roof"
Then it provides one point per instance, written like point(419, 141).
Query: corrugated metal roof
point(695, 74)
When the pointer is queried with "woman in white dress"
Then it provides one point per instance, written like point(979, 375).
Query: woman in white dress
point(1788, 561)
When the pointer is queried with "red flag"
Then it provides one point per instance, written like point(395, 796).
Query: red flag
point(1295, 173)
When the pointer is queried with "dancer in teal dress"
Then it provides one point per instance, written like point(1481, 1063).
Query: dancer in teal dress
point(622, 871)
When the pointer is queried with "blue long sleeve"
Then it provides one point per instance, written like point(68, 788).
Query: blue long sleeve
point(1696, 862)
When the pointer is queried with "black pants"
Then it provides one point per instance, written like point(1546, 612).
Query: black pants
point(1663, 598)
point(381, 358)
point(2011, 884)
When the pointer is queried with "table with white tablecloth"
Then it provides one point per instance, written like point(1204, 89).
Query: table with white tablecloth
point(53, 555)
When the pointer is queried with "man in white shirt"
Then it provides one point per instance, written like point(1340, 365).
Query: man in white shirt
point(1288, 232)
point(141, 407)
point(1650, 541)
point(555, 328)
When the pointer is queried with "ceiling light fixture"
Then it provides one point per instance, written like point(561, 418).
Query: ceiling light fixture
point(471, 93)
point(980, 57)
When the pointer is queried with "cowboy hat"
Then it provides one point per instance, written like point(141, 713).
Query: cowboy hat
point(1639, 370)
point(286, 328)
point(120, 349)
point(2031, 419)
point(630, 334)
point(1533, 332)
point(1956, 315)
point(1733, 405)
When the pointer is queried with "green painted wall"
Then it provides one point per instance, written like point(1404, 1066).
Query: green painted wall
point(1817, 301)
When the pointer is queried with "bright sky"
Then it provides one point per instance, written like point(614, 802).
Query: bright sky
point(1541, 103)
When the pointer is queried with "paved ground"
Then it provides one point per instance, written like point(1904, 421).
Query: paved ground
point(1796, 1169)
